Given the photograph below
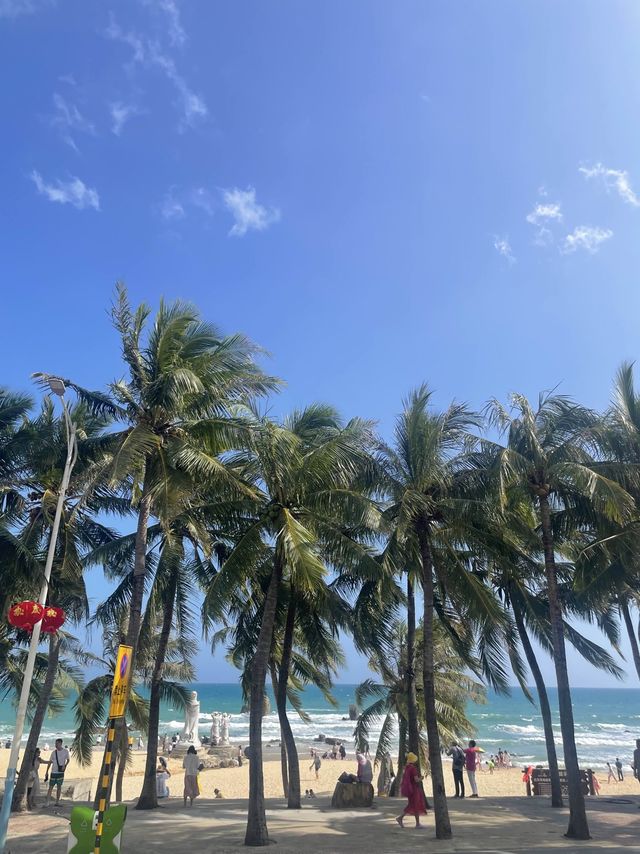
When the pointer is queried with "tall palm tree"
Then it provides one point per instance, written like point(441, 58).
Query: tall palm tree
point(184, 379)
point(304, 475)
point(431, 520)
point(547, 465)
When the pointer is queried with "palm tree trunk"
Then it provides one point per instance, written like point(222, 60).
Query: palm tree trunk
point(283, 748)
point(628, 622)
point(139, 573)
point(18, 803)
point(123, 741)
point(545, 708)
point(293, 795)
point(578, 824)
point(257, 833)
point(148, 799)
point(440, 808)
point(410, 672)
point(394, 791)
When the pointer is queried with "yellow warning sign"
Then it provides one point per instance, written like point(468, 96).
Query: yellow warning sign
point(121, 679)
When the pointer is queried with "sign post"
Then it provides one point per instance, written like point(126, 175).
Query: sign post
point(119, 695)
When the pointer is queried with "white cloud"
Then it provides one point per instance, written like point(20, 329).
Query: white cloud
point(171, 207)
point(149, 53)
point(120, 115)
point(503, 247)
point(248, 214)
point(587, 237)
point(616, 179)
point(67, 118)
point(74, 192)
point(544, 213)
point(14, 8)
point(177, 35)
point(542, 216)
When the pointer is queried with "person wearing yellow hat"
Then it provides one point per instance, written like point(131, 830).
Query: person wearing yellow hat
point(411, 788)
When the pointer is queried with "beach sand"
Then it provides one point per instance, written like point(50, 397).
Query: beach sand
point(234, 782)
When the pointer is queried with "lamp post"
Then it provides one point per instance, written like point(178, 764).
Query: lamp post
point(56, 386)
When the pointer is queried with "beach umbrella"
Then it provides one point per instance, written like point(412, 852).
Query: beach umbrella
point(53, 618)
point(25, 615)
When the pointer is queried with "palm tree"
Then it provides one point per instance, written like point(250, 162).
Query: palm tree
point(303, 474)
point(431, 518)
point(454, 689)
point(36, 491)
point(546, 464)
point(184, 379)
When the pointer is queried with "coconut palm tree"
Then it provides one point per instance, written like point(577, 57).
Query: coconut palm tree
point(305, 474)
point(454, 689)
point(547, 466)
point(435, 524)
point(184, 379)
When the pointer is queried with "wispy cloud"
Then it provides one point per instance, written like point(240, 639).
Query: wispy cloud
point(175, 30)
point(587, 237)
point(150, 54)
point(120, 115)
point(73, 192)
point(614, 179)
point(67, 119)
point(171, 208)
point(248, 214)
point(15, 8)
point(542, 216)
point(503, 247)
point(545, 212)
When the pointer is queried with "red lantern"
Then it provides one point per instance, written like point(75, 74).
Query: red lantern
point(53, 618)
point(25, 615)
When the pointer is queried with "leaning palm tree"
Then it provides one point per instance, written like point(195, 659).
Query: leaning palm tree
point(304, 475)
point(547, 466)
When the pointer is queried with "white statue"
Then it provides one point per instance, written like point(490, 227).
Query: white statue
point(225, 728)
point(215, 728)
point(191, 719)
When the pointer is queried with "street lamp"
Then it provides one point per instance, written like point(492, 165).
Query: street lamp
point(57, 386)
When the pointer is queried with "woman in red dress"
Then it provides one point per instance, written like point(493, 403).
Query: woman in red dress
point(412, 790)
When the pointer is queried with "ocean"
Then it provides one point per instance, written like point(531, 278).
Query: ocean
point(607, 721)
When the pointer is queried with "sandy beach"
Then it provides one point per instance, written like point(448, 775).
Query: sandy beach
point(234, 782)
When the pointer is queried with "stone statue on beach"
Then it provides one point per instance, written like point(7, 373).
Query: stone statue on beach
point(225, 729)
point(189, 732)
point(215, 728)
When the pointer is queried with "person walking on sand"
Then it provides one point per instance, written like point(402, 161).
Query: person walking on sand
point(471, 755)
point(411, 788)
point(58, 761)
point(316, 763)
point(457, 764)
point(619, 769)
point(190, 764)
point(240, 756)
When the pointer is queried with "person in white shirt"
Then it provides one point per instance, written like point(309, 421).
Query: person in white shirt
point(58, 761)
point(162, 775)
point(191, 763)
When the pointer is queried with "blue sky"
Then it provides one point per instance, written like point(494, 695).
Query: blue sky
point(378, 193)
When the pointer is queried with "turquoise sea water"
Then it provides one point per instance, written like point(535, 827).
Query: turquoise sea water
point(607, 721)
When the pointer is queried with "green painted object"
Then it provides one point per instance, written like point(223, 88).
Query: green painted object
point(82, 833)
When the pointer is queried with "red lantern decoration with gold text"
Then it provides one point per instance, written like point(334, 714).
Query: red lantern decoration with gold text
point(25, 615)
point(52, 619)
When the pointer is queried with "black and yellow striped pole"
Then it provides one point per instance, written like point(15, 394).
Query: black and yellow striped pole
point(119, 696)
point(105, 782)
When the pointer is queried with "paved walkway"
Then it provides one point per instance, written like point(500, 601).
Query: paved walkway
point(487, 825)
